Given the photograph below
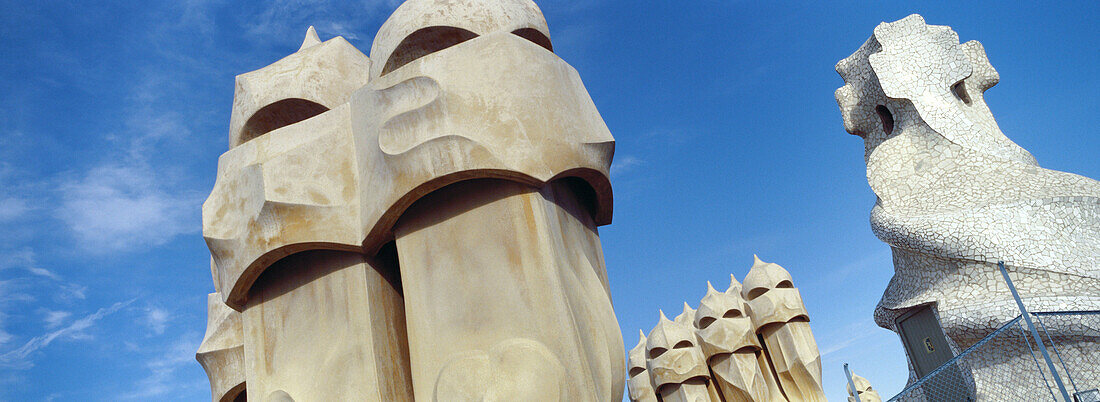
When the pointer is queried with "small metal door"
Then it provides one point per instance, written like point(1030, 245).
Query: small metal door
point(923, 338)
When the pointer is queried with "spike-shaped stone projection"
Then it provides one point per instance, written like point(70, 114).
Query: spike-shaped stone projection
point(675, 362)
point(638, 386)
point(420, 223)
point(955, 196)
point(736, 357)
point(782, 322)
point(751, 342)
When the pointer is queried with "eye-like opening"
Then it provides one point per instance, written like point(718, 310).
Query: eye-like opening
point(635, 371)
point(754, 293)
point(959, 89)
point(732, 313)
point(887, 119)
point(535, 36)
point(706, 321)
point(423, 42)
point(656, 352)
point(683, 345)
point(279, 114)
point(784, 284)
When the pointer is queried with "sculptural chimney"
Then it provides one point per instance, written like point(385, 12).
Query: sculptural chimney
point(420, 223)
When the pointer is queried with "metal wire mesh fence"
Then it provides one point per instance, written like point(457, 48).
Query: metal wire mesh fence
point(1074, 339)
point(991, 369)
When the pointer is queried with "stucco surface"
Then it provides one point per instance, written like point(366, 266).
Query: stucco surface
point(751, 342)
point(418, 224)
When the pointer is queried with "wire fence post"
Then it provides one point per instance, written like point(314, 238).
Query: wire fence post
point(1034, 333)
point(851, 384)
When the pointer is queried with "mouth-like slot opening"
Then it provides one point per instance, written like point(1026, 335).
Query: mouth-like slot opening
point(732, 313)
point(535, 36)
point(747, 349)
point(887, 119)
point(692, 381)
point(635, 371)
point(768, 327)
point(423, 42)
point(784, 284)
point(278, 115)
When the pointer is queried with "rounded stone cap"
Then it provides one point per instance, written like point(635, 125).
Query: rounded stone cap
point(478, 17)
point(764, 276)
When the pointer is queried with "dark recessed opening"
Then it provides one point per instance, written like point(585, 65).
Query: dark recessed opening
point(656, 352)
point(887, 119)
point(732, 313)
point(279, 114)
point(682, 345)
point(757, 292)
point(423, 42)
point(634, 371)
point(535, 36)
point(705, 322)
point(390, 267)
point(959, 89)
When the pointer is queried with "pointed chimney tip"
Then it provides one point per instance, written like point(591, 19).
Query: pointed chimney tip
point(311, 39)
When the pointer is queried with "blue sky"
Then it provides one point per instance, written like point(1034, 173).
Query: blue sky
point(729, 143)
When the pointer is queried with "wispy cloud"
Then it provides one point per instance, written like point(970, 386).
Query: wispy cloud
point(156, 319)
point(12, 208)
point(22, 257)
point(853, 333)
point(285, 19)
point(44, 273)
point(162, 379)
point(54, 319)
point(18, 358)
point(624, 164)
point(874, 260)
point(25, 258)
point(118, 207)
point(72, 291)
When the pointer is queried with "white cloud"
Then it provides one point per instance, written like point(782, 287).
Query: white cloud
point(18, 358)
point(156, 319)
point(54, 319)
point(119, 207)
